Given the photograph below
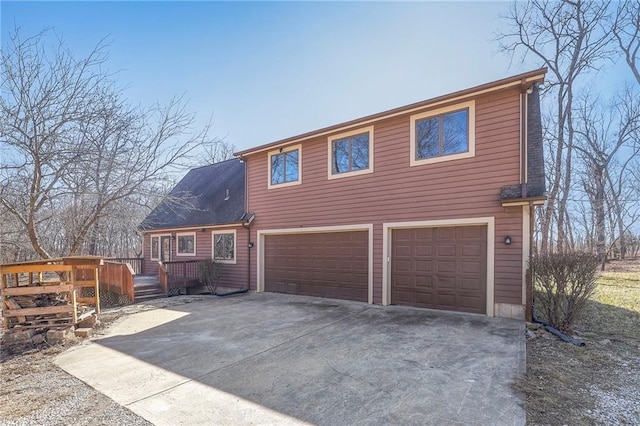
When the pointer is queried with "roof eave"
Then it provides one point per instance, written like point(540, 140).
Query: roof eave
point(529, 77)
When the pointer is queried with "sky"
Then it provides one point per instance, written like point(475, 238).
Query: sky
point(269, 70)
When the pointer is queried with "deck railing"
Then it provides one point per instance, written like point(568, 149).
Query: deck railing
point(163, 278)
point(117, 278)
point(137, 263)
point(180, 273)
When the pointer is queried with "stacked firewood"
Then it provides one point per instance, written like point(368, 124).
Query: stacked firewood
point(40, 300)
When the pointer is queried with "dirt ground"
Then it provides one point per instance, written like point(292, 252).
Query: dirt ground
point(34, 391)
point(565, 384)
point(600, 382)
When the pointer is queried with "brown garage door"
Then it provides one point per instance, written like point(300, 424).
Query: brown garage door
point(440, 268)
point(331, 265)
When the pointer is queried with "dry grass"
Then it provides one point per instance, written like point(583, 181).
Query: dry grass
point(598, 383)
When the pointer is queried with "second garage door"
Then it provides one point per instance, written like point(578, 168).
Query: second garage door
point(333, 265)
point(440, 268)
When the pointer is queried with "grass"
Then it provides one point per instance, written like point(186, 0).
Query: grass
point(566, 384)
point(615, 306)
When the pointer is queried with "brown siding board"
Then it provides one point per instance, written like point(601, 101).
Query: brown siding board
point(396, 192)
point(232, 275)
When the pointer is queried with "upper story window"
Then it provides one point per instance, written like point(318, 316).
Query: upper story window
point(224, 246)
point(285, 166)
point(186, 244)
point(444, 134)
point(351, 153)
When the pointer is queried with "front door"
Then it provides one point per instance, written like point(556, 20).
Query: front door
point(165, 243)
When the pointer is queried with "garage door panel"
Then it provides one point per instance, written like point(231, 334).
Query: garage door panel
point(423, 265)
point(423, 233)
point(444, 282)
point(424, 251)
point(475, 232)
point(446, 250)
point(470, 284)
point(445, 266)
point(334, 265)
point(471, 250)
point(471, 267)
point(441, 268)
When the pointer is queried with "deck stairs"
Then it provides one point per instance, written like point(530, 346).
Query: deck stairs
point(147, 287)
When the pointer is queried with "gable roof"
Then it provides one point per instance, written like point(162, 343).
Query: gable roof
point(525, 80)
point(208, 195)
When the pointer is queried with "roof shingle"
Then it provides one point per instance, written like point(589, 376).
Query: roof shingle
point(209, 195)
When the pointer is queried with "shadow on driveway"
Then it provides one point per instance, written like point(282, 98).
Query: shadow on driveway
point(276, 359)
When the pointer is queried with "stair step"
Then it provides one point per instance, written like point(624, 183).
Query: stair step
point(148, 297)
point(151, 290)
point(145, 286)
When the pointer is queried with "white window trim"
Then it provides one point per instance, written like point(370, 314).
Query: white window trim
point(235, 246)
point(185, 234)
point(471, 106)
point(159, 237)
point(330, 139)
point(282, 151)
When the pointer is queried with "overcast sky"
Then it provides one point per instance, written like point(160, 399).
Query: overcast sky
point(266, 71)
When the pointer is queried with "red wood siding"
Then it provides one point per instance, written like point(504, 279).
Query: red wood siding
point(233, 275)
point(396, 192)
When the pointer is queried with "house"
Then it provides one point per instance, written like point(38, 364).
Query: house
point(203, 217)
point(427, 205)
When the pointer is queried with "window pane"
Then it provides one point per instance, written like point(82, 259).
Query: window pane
point(223, 247)
point(277, 169)
point(360, 152)
point(229, 243)
point(341, 156)
point(186, 244)
point(291, 168)
point(455, 132)
point(155, 247)
point(427, 138)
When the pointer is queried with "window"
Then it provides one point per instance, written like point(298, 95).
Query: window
point(224, 246)
point(444, 134)
point(284, 166)
point(155, 248)
point(186, 244)
point(351, 153)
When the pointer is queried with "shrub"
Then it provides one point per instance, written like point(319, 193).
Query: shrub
point(209, 273)
point(563, 283)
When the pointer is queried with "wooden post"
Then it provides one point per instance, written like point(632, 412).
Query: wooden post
point(3, 306)
point(72, 277)
point(97, 290)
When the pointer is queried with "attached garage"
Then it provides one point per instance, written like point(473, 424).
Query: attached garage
point(322, 264)
point(440, 268)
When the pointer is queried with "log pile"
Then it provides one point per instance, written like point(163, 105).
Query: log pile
point(45, 301)
point(36, 318)
point(40, 300)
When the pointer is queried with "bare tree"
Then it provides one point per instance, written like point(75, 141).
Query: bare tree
point(74, 151)
point(569, 38)
point(626, 29)
point(607, 142)
point(216, 151)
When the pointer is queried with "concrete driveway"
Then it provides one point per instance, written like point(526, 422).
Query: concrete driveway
point(278, 359)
